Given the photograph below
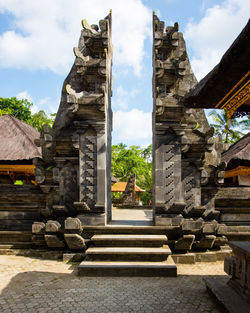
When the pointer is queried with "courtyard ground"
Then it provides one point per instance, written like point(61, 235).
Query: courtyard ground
point(34, 285)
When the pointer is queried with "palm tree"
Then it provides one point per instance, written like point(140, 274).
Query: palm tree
point(229, 129)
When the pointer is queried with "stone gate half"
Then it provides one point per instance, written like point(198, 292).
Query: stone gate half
point(185, 157)
point(75, 172)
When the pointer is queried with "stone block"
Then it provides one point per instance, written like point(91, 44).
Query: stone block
point(221, 255)
point(92, 219)
point(38, 228)
point(222, 230)
point(72, 224)
point(206, 242)
point(169, 220)
point(52, 227)
point(185, 243)
point(211, 214)
point(206, 257)
point(210, 227)
point(38, 240)
point(74, 241)
point(192, 226)
point(220, 241)
point(53, 241)
point(187, 258)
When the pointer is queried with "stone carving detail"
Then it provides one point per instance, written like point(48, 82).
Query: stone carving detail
point(88, 179)
point(169, 174)
point(189, 184)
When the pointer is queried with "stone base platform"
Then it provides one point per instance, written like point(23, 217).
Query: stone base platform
point(148, 269)
point(229, 299)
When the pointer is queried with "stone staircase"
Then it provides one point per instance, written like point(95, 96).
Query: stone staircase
point(125, 254)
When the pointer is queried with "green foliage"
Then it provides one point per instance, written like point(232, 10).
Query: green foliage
point(133, 160)
point(229, 129)
point(18, 108)
point(21, 110)
point(39, 119)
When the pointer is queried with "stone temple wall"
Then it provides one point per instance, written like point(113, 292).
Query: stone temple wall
point(20, 206)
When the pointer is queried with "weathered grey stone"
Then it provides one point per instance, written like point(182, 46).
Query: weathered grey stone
point(187, 258)
point(78, 148)
point(220, 241)
point(211, 214)
point(238, 267)
point(185, 243)
point(52, 227)
point(72, 224)
point(210, 227)
point(169, 220)
point(92, 219)
point(74, 241)
point(209, 256)
point(38, 228)
point(53, 241)
point(205, 242)
point(192, 226)
point(38, 240)
point(222, 230)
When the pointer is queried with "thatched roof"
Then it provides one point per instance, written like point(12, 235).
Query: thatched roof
point(17, 140)
point(240, 151)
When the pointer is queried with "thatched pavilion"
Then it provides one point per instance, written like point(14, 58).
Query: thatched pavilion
point(17, 150)
point(237, 158)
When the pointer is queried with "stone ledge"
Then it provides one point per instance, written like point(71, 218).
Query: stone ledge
point(193, 257)
point(228, 298)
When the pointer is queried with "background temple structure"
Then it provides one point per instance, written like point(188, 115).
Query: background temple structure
point(190, 203)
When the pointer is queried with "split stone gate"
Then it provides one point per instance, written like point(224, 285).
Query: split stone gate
point(75, 172)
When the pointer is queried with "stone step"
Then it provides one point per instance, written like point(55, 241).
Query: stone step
point(95, 268)
point(129, 253)
point(9, 236)
point(90, 231)
point(16, 245)
point(128, 240)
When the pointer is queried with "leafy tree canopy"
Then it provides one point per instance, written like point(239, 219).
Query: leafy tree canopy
point(133, 160)
point(231, 130)
point(21, 109)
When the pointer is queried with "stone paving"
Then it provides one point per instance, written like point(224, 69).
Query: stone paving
point(32, 285)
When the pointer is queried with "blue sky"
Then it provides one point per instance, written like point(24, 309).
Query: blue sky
point(37, 37)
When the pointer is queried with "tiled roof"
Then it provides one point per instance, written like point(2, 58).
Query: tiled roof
point(121, 186)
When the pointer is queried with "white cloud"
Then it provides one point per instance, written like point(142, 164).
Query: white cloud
point(133, 126)
point(46, 104)
point(25, 95)
point(214, 33)
point(122, 97)
point(45, 32)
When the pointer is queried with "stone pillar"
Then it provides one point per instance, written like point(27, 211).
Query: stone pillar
point(172, 78)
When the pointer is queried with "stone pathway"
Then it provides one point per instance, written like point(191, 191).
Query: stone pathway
point(32, 285)
point(131, 217)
